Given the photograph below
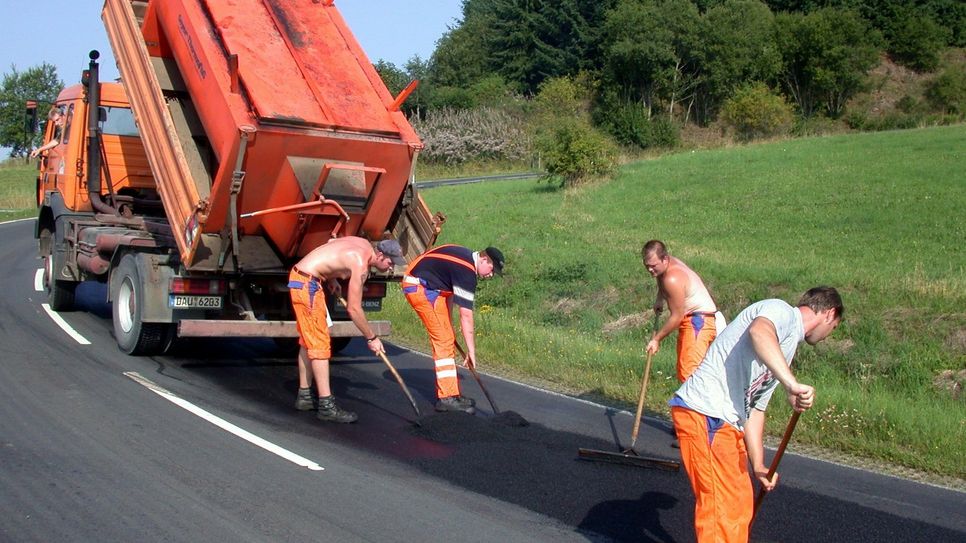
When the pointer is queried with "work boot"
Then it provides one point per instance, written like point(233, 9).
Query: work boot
point(456, 403)
point(329, 411)
point(304, 400)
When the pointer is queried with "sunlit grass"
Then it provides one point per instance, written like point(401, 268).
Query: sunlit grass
point(879, 216)
point(17, 196)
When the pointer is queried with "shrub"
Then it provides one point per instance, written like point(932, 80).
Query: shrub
point(561, 97)
point(451, 98)
point(458, 136)
point(572, 151)
point(631, 125)
point(947, 92)
point(754, 111)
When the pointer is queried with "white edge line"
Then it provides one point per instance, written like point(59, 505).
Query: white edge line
point(64, 326)
point(18, 220)
point(224, 424)
point(39, 280)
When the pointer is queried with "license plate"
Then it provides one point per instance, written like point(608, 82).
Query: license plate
point(372, 304)
point(179, 301)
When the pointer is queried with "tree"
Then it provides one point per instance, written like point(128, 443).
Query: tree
point(40, 84)
point(738, 46)
point(916, 41)
point(825, 57)
point(522, 41)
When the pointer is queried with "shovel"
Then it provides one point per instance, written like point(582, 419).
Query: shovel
point(399, 379)
point(774, 461)
point(629, 456)
point(477, 377)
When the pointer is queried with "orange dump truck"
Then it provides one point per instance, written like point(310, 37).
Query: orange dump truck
point(243, 134)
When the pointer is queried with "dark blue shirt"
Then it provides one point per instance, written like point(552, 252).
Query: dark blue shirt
point(439, 272)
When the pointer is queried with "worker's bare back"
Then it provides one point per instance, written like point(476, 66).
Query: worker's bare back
point(339, 258)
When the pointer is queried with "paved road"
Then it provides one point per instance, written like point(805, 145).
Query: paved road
point(89, 453)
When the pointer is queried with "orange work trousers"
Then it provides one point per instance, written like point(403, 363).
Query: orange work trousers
point(433, 310)
point(695, 335)
point(311, 315)
point(715, 458)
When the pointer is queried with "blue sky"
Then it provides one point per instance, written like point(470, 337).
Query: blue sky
point(61, 32)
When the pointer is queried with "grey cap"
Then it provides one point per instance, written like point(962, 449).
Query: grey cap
point(393, 250)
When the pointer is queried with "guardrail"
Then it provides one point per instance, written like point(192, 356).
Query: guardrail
point(467, 180)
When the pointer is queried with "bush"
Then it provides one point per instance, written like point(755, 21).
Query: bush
point(947, 92)
point(458, 136)
point(561, 97)
point(572, 151)
point(754, 111)
point(630, 125)
point(453, 98)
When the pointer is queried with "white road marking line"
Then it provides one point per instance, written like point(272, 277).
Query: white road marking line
point(39, 280)
point(223, 424)
point(64, 326)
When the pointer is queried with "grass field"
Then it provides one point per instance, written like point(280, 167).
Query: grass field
point(879, 216)
point(17, 190)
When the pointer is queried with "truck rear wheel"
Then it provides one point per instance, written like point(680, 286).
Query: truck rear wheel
point(133, 335)
point(60, 294)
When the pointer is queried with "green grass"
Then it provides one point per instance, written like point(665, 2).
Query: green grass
point(879, 216)
point(17, 191)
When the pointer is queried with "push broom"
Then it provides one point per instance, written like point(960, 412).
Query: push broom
point(629, 456)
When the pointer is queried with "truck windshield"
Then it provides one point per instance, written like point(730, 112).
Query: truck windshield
point(120, 122)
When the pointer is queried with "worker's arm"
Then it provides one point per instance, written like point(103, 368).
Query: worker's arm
point(754, 444)
point(358, 316)
point(673, 292)
point(469, 337)
point(45, 147)
point(764, 340)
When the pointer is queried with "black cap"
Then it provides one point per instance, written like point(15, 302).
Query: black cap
point(496, 257)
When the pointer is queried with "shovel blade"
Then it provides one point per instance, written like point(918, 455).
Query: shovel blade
point(628, 459)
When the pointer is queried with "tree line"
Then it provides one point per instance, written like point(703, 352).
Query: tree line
point(680, 58)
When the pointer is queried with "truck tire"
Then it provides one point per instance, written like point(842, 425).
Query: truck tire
point(60, 294)
point(134, 336)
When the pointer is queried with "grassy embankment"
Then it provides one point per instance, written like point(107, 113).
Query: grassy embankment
point(879, 216)
point(17, 191)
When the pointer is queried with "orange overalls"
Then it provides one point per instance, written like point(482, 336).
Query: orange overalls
point(433, 309)
point(695, 334)
point(311, 314)
point(716, 461)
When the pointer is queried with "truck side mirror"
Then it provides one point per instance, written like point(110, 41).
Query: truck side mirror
point(101, 114)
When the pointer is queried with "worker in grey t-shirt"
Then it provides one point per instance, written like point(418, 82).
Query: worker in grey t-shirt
point(719, 411)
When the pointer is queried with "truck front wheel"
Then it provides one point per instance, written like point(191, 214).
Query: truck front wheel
point(133, 335)
point(60, 294)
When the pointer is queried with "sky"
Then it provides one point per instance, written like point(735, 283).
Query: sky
point(61, 32)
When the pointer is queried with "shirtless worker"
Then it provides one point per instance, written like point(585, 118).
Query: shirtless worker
point(693, 311)
point(341, 258)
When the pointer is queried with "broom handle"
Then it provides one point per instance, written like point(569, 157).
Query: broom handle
point(640, 401)
point(641, 396)
point(774, 461)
